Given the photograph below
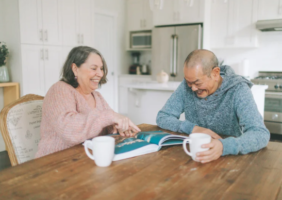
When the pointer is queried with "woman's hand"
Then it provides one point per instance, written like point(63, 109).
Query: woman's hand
point(125, 126)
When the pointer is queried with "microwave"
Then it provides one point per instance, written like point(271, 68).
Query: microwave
point(141, 40)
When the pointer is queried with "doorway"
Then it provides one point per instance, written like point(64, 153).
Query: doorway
point(105, 42)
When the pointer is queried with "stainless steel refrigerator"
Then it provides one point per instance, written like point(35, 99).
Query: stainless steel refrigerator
point(170, 47)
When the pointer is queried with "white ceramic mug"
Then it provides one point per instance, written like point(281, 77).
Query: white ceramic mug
point(196, 140)
point(103, 149)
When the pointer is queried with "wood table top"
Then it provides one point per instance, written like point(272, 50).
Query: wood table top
point(166, 174)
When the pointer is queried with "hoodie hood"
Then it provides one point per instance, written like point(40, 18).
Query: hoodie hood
point(230, 79)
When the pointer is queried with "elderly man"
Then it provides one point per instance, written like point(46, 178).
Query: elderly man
point(215, 101)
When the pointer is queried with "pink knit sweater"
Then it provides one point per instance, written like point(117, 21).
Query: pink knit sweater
point(68, 120)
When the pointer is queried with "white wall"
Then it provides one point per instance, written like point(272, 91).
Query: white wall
point(2, 38)
point(267, 57)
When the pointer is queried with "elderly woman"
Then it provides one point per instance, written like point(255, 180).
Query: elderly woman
point(73, 111)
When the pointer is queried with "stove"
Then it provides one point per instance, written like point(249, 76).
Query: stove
point(273, 100)
point(272, 79)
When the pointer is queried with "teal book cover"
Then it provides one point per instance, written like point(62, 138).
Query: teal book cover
point(140, 140)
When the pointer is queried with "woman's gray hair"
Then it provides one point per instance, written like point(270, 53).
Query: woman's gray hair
point(78, 56)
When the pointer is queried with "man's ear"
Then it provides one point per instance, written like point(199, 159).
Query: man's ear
point(216, 73)
point(74, 69)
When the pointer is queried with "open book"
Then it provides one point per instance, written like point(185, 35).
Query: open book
point(144, 143)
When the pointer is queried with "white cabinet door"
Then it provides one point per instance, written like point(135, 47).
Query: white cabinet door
point(270, 9)
point(84, 29)
point(32, 69)
point(220, 23)
point(135, 19)
point(69, 23)
point(52, 65)
point(147, 15)
point(180, 11)
point(191, 11)
point(168, 15)
point(244, 32)
point(51, 22)
point(31, 21)
point(76, 22)
point(40, 21)
point(233, 24)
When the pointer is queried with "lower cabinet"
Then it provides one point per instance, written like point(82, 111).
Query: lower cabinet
point(41, 66)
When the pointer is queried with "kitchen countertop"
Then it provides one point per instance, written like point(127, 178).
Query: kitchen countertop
point(169, 86)
point(153, 85)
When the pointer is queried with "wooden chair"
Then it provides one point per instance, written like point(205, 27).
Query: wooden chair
point(20, 127)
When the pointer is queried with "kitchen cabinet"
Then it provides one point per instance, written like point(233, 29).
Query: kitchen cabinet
point(270, 9)
point(76, 22)
point(40, 22)
point(123, 90)
point(41, 66)
point(179, 11)
point(139, 15)
point(233, 24)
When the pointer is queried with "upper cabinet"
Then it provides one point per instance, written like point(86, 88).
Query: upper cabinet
point(179, 12)
point(40, 22)
point(233, 23)
point(76, 22)
point(139, 15)
point(270, 9)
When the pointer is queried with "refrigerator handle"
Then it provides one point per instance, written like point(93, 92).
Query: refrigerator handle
point(199, 37)
point(171, 55)
point(174, 65)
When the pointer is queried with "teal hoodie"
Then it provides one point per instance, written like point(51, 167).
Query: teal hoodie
point(230, 110)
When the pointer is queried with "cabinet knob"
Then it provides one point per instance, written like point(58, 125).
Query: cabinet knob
point(46, 35)
point(41, 35)
point(42, 54)
point(46, 54)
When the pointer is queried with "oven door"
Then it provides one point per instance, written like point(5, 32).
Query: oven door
point(273, 112)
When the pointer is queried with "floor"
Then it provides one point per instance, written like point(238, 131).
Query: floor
point(4, 160)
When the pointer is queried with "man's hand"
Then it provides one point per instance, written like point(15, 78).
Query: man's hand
point(215, 151)
point(198, 129)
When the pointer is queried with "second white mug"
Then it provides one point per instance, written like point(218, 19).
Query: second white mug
point(196, 140)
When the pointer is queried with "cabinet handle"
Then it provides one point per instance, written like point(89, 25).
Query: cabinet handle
point(191, 3)
point(42, 54)
point(78, 39)
point(280, 9)
point(141, 23)
point(81, 38)
point(46, 35)
point(46, 54)
point(175, 48)
point(41, 35)
point(144, 22)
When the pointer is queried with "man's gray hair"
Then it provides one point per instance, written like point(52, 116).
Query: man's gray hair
point(203, 57)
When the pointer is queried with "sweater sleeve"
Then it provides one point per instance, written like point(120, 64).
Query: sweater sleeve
point(60, 113)
point(168, 116)
point(254, 136)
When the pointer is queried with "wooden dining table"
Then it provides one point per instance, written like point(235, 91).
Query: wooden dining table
point(166, 174)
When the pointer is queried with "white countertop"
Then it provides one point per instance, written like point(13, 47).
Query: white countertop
point(153, 85)
point(170, 86)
